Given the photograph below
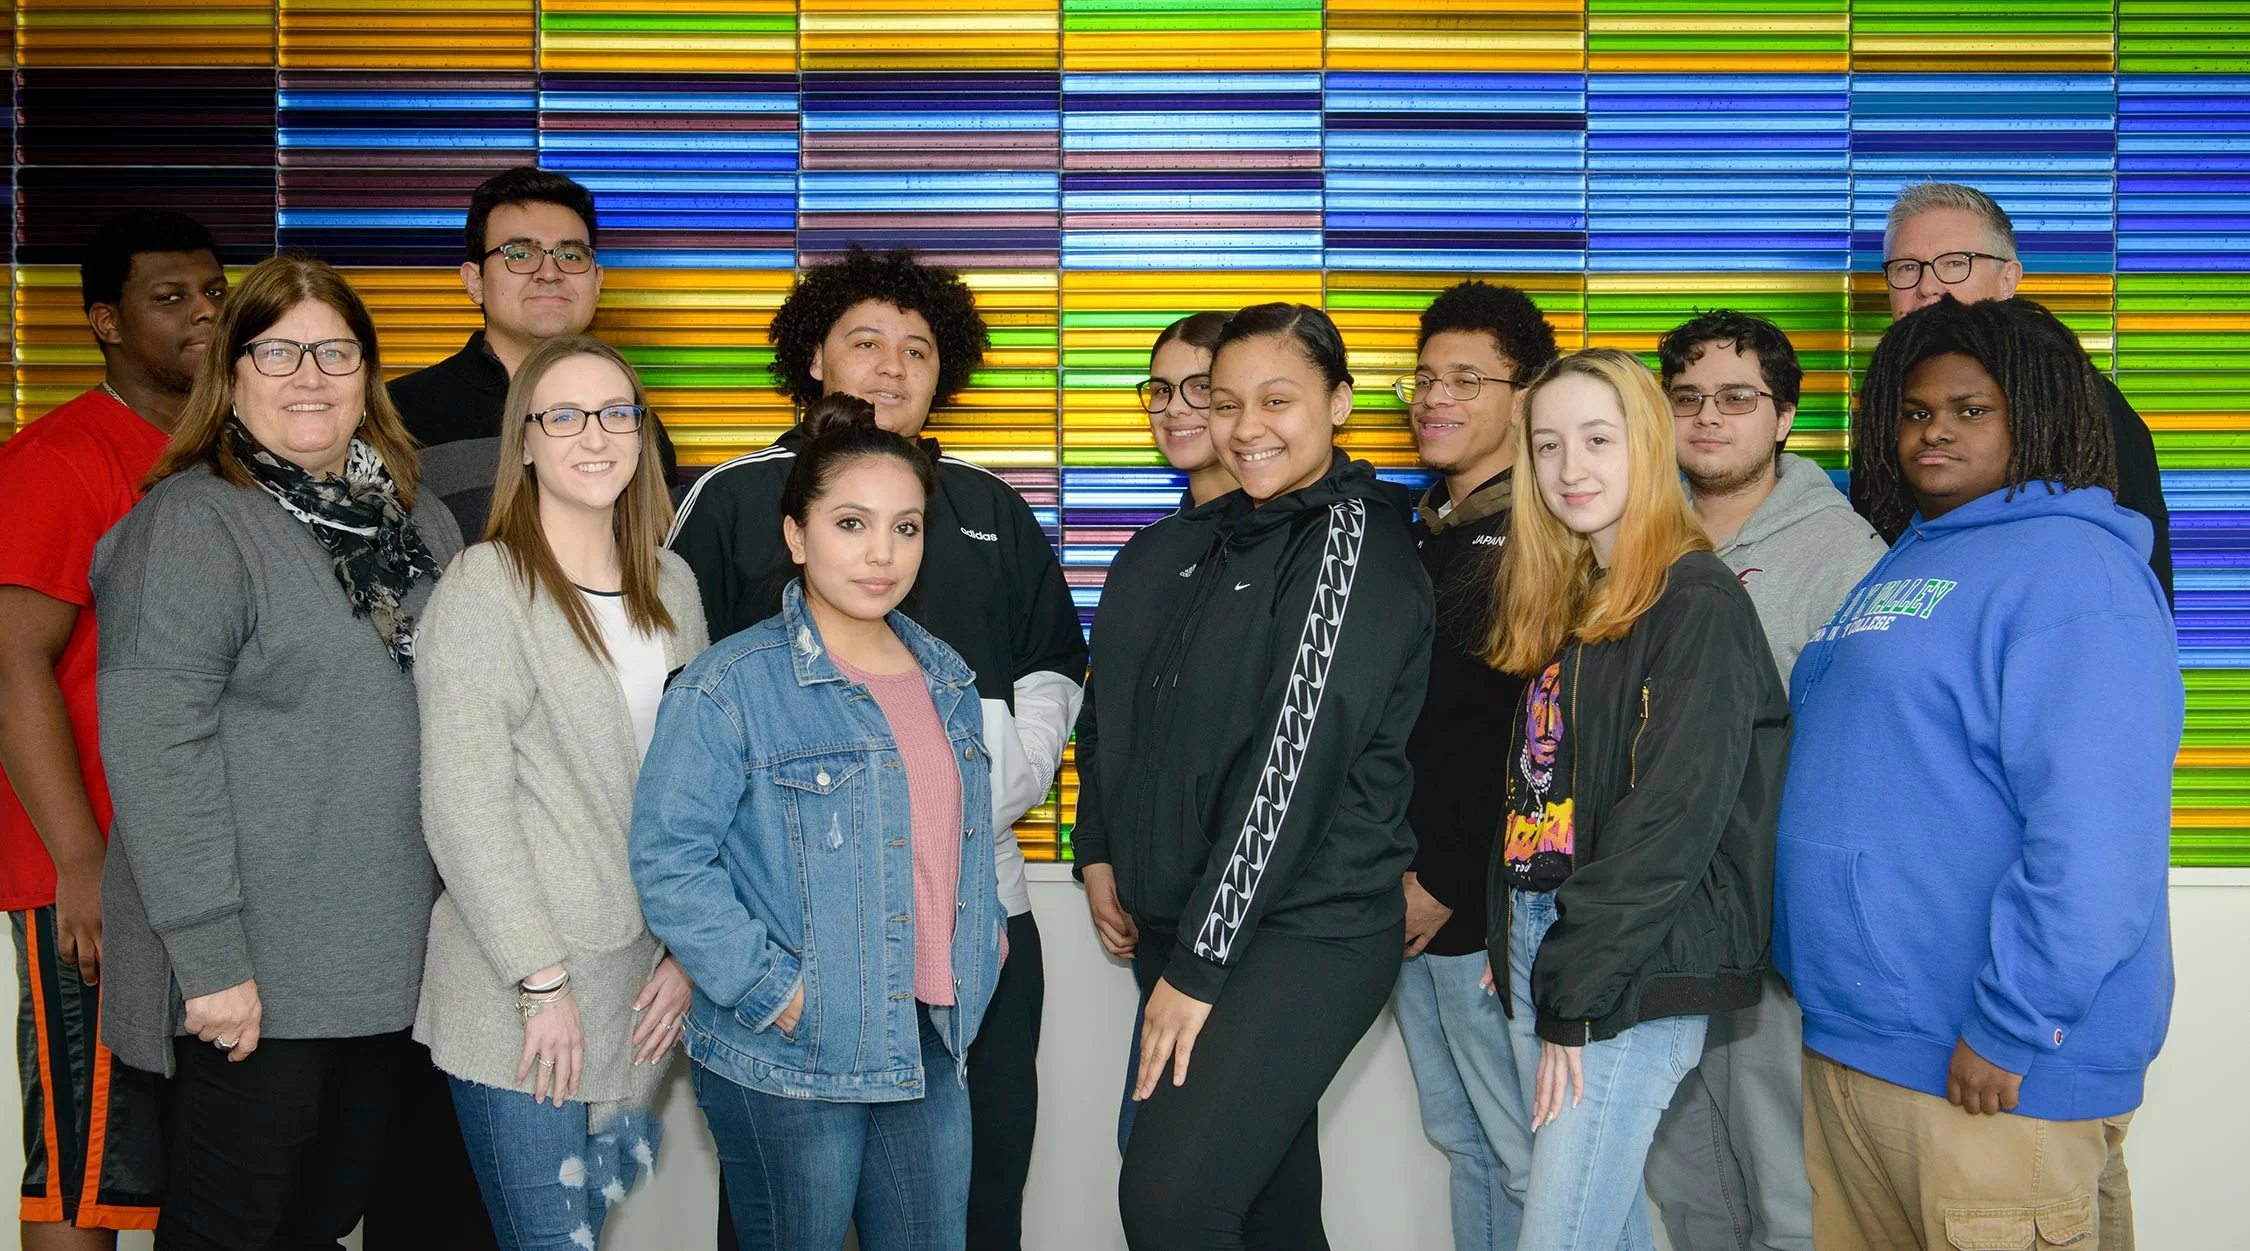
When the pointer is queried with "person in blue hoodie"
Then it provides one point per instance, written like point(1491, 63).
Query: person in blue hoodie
point(1970, 897)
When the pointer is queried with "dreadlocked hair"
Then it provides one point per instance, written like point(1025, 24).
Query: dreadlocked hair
point(824, 293)
point(2058, 413)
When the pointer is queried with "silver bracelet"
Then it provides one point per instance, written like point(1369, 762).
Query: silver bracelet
point(532, 1002)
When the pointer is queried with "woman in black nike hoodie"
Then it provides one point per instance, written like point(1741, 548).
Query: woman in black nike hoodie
point(1258, 663)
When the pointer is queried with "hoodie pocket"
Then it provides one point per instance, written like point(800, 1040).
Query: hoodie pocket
point(1161, 835)
point(1825, 943)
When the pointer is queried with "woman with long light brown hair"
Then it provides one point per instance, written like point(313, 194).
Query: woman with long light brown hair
point(1632, 880)
point(545, 998)
point(268, 891)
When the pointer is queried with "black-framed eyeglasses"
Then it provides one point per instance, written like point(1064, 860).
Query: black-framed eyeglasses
point(279, 358)
point(1733, 401)
point(1459, 385)
point(1156, 394)
point(526, 258)
point(1950, 267)
point(566, 420)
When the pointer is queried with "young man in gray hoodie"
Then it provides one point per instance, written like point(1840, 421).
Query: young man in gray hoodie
point(1727, 1169)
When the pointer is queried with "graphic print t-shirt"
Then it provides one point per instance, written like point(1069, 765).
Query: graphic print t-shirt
point(1541, 829)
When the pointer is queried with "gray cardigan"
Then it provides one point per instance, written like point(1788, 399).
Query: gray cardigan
point(528, 766)
point(261, 747)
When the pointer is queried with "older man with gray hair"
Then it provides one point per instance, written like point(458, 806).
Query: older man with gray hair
point(1946, 239)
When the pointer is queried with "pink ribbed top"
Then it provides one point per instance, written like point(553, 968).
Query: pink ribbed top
point(933, 788)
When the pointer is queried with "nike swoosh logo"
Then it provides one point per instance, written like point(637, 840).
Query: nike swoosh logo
point(1239, 585)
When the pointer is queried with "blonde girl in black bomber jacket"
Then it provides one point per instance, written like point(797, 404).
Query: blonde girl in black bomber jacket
point(1632, 875)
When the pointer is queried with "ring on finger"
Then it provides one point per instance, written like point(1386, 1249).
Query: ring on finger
point(226, 1044)
point(546, 1063)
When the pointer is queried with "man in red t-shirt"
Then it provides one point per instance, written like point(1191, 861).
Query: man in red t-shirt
point(152, 286)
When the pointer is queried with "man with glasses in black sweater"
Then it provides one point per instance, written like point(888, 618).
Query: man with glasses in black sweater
point(530, 263)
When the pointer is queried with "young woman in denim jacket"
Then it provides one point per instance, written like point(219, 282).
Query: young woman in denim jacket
point(812, 838)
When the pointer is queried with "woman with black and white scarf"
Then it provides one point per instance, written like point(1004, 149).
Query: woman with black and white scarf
point(268, 892)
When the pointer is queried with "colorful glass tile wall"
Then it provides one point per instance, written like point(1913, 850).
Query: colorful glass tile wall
point(1099, 167)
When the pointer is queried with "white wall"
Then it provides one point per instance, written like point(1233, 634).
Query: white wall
point(1386, 1184)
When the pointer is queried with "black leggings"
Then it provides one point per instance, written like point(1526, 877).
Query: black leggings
point(1232, 1158)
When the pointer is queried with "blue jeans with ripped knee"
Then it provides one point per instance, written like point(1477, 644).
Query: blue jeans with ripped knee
point(549, 1180)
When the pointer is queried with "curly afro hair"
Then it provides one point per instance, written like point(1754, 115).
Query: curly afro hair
point(1514, 322)
point(824, 293)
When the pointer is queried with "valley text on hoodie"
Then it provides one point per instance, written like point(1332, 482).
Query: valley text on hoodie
point(1975, 833)
point(1242, 752)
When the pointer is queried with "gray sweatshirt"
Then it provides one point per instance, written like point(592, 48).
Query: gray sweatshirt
point(262, 749)
point(1799, 555)
point(528, 767)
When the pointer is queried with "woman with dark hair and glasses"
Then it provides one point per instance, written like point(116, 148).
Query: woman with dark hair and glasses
point(268, 891)
point(544, 654)
point(1177, 398)
point(1258, 664)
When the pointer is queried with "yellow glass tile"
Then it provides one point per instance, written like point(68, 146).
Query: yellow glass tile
point(407, 34)
point(1379, 315)
point(1191, 52)
point(144, 32)
point(55, 358)
point(884, 34)
point(1005, 418)
point(1457, 35)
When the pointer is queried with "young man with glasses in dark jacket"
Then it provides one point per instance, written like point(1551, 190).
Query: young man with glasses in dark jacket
point(529, 262)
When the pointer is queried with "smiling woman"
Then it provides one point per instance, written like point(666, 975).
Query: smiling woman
point(272, 875)
point(545, 653)
point(1279, 392)
point(1177, 398)
point(1258, 663)
point(1644, 765)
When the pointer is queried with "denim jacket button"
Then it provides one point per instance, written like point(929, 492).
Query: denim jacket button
point(968, 753)
point(821, 778)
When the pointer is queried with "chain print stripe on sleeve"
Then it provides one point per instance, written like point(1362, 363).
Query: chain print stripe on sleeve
point(1300, 705)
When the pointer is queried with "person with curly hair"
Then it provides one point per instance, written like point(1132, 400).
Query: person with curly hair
point(905, 336)
point(1983, 755)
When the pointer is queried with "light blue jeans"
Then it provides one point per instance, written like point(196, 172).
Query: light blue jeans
point(1463, 1053)
point(1584, 1191)
point(799, 1172)
point(548, 1181)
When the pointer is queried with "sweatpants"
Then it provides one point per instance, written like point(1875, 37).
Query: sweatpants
point(1232, 1158)
point(1727, 1169)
